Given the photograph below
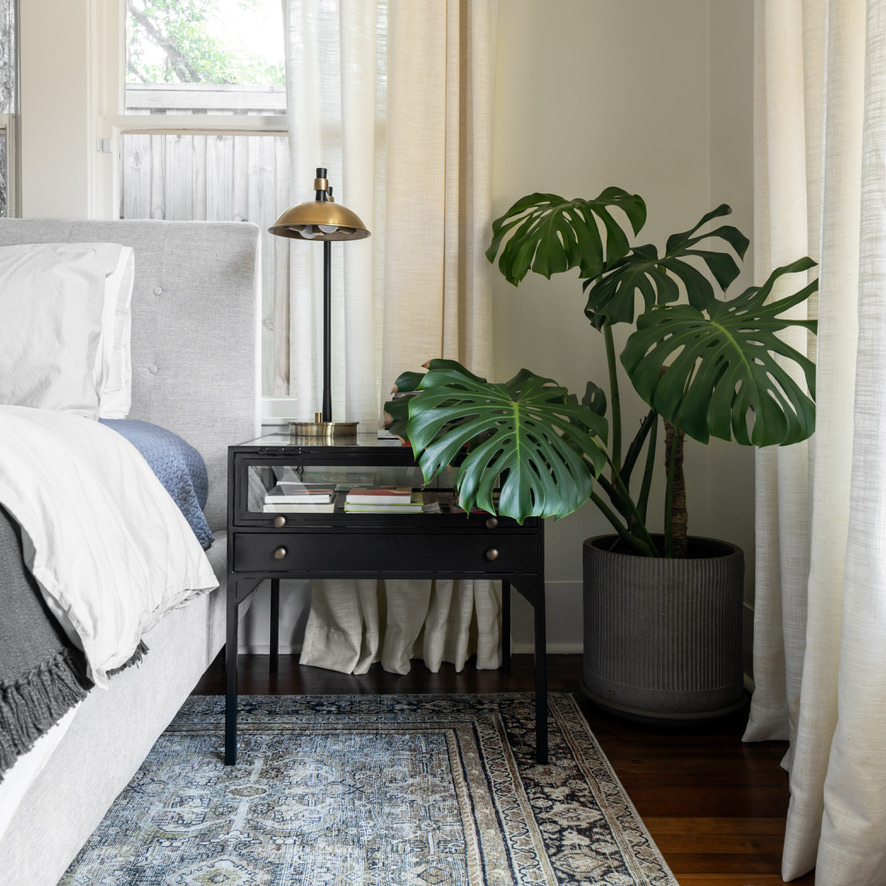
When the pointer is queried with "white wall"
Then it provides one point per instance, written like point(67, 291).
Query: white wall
point(652, 96)
point(657, 99)
point(55, 119)
point(729, 470)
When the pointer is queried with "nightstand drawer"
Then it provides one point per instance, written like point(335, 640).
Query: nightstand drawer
point(386, 553)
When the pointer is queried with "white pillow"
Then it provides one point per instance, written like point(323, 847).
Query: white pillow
point(115, 382)
point(64, 315)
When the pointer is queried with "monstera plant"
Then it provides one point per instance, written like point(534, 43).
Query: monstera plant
point(703, 365)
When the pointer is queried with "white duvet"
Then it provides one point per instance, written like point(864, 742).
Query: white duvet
point(109, 548)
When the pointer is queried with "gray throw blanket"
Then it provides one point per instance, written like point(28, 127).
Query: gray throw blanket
point(42, 674)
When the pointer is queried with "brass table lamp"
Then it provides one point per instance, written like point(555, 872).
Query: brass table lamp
point(325, 220)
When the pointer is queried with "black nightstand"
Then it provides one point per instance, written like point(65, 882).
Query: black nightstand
point(328, 542)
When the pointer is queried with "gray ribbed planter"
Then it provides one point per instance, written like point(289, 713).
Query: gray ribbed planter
point(662, 638)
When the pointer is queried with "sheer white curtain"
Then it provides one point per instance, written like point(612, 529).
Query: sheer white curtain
point(820, 624)
point(394, 98)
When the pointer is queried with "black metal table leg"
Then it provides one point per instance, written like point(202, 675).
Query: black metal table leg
point(541, 675)
point(505, 625)
point(231, 641)
point(275, 625)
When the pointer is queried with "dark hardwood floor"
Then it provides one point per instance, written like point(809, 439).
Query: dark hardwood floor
point(714, 806)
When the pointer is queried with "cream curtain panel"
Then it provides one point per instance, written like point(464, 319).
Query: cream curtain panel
point(395, 98)
point(820, 621)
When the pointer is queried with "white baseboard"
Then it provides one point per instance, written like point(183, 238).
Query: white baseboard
point(265, 649)
point(525, 648)
point(516, 649)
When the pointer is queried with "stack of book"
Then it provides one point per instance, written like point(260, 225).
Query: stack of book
point(384, 500)
point(294, 497)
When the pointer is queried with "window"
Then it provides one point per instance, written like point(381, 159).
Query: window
point(203, 129)
point(8, 107)
point(204, 56)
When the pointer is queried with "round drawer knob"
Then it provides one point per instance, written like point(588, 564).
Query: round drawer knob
point(491, 522)
point(279, 521)
point(492, 554)
point(279, 553)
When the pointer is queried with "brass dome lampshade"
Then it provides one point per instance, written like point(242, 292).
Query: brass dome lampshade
point(325, 220)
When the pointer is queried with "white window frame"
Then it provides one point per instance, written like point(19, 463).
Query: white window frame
point(7, 129)
point(111, 122)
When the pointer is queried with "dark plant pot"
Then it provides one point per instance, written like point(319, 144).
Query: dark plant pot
point(662, 638)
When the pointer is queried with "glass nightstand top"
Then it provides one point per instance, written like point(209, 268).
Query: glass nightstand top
point(360, 441)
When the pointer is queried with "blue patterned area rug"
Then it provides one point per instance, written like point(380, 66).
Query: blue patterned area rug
point(388, 790)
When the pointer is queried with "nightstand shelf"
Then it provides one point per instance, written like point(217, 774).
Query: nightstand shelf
point(325, 541)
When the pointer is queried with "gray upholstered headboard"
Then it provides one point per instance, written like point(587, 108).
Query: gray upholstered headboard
point(195, 363)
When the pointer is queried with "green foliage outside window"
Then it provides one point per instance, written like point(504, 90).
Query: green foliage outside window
point(203, 41)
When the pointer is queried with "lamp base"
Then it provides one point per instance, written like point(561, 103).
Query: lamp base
point(324, 430)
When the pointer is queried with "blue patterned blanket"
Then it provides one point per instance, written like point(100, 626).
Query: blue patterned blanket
point(178, 466)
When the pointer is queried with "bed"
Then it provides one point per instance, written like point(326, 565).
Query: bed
point(194, 373)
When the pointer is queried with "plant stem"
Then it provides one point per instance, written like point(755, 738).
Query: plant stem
point(676, 541)
point(633, 451)
point(649, 470)
point(643, 546)
point(674, 473)
point(635, 533)
point(616, 494)
point(614, 399)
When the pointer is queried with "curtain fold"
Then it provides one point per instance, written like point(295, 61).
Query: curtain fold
point(395, 99)
point(820, 609)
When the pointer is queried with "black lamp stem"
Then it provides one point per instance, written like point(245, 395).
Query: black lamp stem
point(326, 414)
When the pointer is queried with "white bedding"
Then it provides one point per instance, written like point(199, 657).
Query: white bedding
point(107, 545)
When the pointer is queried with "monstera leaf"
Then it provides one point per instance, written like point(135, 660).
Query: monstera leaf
point(550, 234)
point(529, 434)
point(612, 296)
point(397, 409)
point(724, 377)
